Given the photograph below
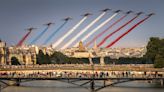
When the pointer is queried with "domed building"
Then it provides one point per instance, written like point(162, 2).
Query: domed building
point(82, 52)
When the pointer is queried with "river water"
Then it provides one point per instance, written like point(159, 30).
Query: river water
point(57, 86)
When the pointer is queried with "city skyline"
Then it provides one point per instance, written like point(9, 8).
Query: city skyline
point(18, 15)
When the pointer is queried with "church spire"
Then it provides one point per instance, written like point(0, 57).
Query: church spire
point(95, 45)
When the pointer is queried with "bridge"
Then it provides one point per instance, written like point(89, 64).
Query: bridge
point(75, 76)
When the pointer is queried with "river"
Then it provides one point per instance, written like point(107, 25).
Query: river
point(57, 86)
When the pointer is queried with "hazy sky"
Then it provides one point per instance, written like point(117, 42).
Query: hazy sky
point(17, 15)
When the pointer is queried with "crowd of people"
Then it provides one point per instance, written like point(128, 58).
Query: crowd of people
point(74, 66)
point(79, 74)
point(79, 71)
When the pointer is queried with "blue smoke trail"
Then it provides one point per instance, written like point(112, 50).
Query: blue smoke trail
point(53, 34)
point(36, 38)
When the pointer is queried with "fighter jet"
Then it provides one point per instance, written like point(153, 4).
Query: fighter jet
point(30, 29)
point(68, 18)
point(117, 11)
point(49, 24)
point(139, 13)
point(128, 12)
point(151, 14)
point(87, 14)
point(105, 10)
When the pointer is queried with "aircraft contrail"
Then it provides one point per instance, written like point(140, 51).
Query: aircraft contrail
point(53, 34)
point(129, 30)
point(98, 27)
point(25, 37)
point(100, 34)
point(38, 36)
point(85, 29)
point(109, 35)
point(69, 32)
point(34, 40)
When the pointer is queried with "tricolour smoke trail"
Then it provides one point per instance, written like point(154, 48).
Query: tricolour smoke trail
point(112, 43)
point(83, 30)
point(69, 32)
point(97, 28)
point(53, 34)
point(37, 37)
point(109, 35)
point(24, 38)
point(100, 34)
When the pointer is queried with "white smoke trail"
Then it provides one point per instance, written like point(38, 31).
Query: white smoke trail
point(83, 30)
point(97, 28)
point(69, 32)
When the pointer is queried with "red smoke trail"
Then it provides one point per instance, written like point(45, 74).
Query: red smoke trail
point(23, 39)
point(105, 30)
point(117, 30)
point(112, 43)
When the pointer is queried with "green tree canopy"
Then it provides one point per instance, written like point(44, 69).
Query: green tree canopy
point(155, 51)
point(55, 58)
point(43, 58)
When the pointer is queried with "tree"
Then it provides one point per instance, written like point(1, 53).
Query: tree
point(152, 48)
point(60, 58)
point(39, 57)
point(43, 58)
point(155, 51)
point(47, 59)
point(159, 61)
